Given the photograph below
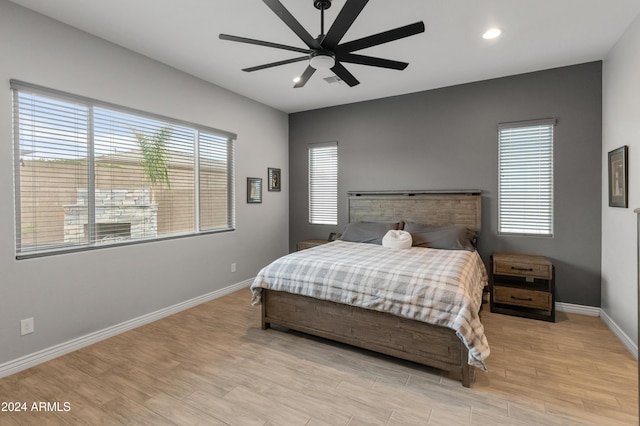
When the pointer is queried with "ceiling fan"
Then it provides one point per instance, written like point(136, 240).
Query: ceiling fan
point(325, 51)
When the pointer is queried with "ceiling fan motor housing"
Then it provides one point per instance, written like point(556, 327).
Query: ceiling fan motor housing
point(322, 4)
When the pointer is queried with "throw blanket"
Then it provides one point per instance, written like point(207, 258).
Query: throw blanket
point(440, 287)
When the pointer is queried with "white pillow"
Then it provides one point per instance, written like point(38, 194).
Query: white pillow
point(397, 239)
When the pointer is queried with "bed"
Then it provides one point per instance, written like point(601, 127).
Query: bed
point(418, 304)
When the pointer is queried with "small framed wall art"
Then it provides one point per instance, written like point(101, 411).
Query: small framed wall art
point(254, 190)
point(618, 177)
point(274, 179)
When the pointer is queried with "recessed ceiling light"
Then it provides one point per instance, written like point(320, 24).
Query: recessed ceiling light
point(492, 33)
point(296, 79)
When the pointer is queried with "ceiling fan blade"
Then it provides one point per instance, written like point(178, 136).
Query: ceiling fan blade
point(306, 75)
point(292, 23)
point(344, 74)
point(275, 64)
point(263, 43)
point(343, 22)
point(371, 61)
point(381, 38)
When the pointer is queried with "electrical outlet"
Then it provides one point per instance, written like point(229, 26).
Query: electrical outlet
point(26, 326)
point(233, 267)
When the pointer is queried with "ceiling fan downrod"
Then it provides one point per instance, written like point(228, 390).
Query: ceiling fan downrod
point(322, 5)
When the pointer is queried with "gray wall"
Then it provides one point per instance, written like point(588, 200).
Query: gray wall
point(447, 139)
point(73, 295)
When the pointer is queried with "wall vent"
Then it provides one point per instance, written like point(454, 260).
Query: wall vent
point(333, 79)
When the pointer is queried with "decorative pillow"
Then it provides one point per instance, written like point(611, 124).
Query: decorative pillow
point(397, 239)
point(368, 232)
point(441, 237)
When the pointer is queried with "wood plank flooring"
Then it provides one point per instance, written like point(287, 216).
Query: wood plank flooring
point(213, 365)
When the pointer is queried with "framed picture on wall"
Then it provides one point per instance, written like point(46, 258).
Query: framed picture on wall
point(274, 179)
point(254, 190)
point(618, 177)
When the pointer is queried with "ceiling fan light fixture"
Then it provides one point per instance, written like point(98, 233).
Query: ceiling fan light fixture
point(322, 60)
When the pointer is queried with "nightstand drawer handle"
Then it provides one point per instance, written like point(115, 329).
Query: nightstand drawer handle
point(522, 269)
point(527, 299)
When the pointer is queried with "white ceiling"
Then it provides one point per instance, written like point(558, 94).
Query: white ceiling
point(538, 34)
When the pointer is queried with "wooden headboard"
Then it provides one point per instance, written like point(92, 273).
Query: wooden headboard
point(437, 208)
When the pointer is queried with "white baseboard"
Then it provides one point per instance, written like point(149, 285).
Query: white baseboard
point(626, 341)
point(591, 311)
point(52, 352)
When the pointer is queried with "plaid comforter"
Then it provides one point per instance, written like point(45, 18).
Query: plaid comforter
point(441, 287)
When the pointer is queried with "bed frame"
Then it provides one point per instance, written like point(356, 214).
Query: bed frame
point(388, 334)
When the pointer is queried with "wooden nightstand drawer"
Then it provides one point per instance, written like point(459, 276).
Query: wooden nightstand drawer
point(522, 266)
point(522, 297)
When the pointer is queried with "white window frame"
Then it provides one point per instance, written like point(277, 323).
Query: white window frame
point(323, 183)
point(200, 132)
point(525, 178)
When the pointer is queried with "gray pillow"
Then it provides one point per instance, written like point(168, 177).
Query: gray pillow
point(368, 232)
point(441, 237)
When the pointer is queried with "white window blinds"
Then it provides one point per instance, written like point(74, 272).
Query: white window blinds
point(525, 178)
point(323, 183)
point(90, 174)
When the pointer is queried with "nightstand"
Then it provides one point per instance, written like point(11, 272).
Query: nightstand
point(309, 243)
point(523, 285)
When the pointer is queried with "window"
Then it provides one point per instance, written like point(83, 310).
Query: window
point(525, 178)
point(323, 183)
point(90, 174)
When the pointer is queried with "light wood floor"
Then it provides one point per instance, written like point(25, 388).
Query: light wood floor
point(214, 365)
